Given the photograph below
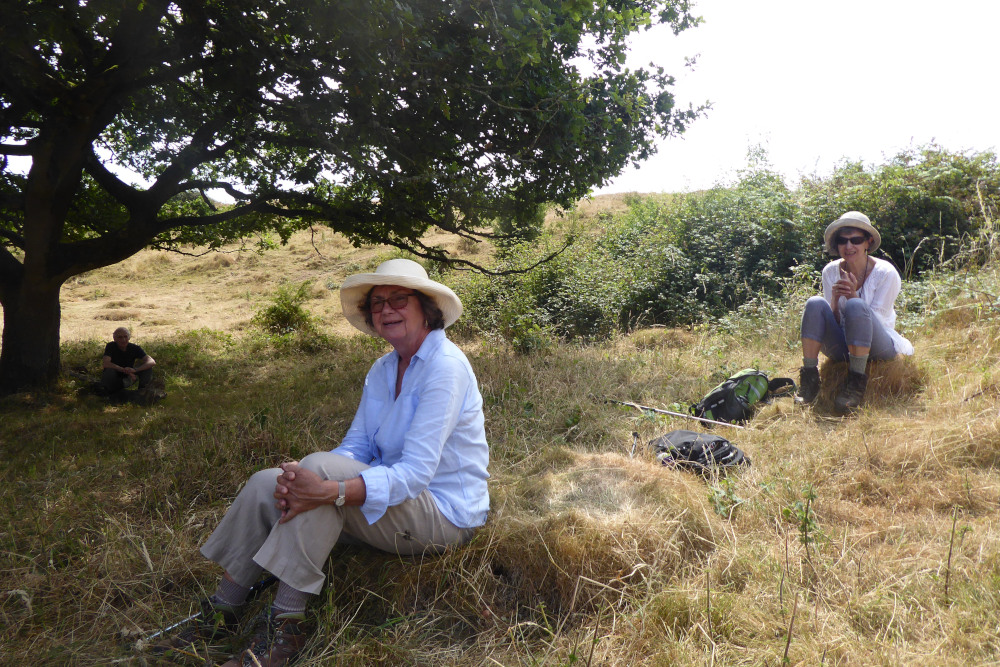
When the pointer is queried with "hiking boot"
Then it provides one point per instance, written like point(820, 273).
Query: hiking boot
point(119, 397)
point(852, 393)
point(213, 627)
point(277, 641)
point(808, 385)
point(149, 395)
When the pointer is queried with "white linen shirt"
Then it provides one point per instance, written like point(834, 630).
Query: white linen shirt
point(429, 437)
point(879, 291)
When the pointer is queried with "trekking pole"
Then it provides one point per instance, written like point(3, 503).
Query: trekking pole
point(674, 414)
point(255, 590)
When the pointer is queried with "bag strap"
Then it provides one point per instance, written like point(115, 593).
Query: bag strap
point(777, 385)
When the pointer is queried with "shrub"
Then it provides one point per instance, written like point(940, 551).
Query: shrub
point(704, 254)
point(520, 223)
point(286, 314)
point(672, 262)
point(734, 249)
point(925, 203)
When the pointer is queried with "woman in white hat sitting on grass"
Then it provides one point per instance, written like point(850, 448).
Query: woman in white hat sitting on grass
point(855, 318)
point(409, 476)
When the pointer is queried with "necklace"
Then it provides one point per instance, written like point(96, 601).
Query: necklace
point(861, 285)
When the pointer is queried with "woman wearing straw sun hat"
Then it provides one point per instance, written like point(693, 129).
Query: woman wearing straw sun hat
point(409, 476)
point(855, 318)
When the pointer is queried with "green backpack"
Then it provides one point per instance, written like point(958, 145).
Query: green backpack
point(735, 400)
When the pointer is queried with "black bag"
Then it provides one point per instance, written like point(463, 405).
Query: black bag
point(699, 452)
point(735, 400)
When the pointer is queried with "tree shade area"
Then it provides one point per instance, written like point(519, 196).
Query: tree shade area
point(380, 119)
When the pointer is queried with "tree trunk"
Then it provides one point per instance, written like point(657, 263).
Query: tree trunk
point(29, 351)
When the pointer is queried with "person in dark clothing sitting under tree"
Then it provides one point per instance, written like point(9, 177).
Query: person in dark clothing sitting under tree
point(124, 363)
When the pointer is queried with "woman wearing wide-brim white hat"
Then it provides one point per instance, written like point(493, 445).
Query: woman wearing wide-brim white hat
point(409, 477)
point(855, 319)
point(403, 273)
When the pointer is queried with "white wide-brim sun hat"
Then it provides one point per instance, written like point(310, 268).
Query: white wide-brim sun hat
point(402, 272)
point(854, 219)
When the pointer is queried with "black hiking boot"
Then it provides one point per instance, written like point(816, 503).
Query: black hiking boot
point(852, 393)
point(217, 623)
point(808, 385)
point(149, 395)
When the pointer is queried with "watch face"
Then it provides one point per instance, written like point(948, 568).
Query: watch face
point(339, 502)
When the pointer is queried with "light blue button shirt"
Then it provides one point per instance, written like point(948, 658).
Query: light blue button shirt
point(430, 437)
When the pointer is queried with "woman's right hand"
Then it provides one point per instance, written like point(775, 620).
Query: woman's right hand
point(300, 490)
point(847, 286)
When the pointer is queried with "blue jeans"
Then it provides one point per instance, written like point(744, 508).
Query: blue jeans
point(860, 328)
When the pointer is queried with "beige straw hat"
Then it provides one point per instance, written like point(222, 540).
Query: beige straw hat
point(402, 272)
point(850, 219)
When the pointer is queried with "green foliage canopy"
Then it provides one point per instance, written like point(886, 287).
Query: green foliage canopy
point(378, 118)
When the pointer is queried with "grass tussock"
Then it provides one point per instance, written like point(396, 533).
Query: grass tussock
point(865, 540)
point(888, 381)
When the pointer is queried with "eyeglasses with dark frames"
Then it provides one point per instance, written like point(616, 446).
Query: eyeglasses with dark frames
point(397, 301)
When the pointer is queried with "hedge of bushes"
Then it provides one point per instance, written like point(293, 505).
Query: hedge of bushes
point(692, 257)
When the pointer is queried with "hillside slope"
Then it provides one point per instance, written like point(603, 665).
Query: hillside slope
point(867, 540)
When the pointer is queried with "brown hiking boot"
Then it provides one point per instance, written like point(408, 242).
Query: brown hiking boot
point(212, 629)
point(852, 393)
point(808, 385)
point(277, 641)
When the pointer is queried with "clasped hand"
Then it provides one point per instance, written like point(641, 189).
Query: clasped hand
point(298, 490)
point(847, 286)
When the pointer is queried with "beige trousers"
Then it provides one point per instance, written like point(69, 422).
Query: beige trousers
point(249, 538)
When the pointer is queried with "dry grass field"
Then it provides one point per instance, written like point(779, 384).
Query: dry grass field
point(867, 540)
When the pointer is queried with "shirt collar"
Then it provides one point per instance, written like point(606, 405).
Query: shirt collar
point(432, 343)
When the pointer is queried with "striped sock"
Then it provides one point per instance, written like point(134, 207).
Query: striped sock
point(230, 593)
point(289, 600)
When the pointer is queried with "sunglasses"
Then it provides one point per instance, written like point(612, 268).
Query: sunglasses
point(853, 240)
point(397, 301)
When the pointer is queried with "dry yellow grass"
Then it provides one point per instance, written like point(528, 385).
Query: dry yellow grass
point(591, 556)
point(159, 294)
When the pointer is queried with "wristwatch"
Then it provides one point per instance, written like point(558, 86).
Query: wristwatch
point(341, 494)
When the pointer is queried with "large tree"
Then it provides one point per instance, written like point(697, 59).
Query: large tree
point(379, 118)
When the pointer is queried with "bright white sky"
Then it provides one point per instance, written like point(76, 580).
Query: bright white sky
point(816, 82)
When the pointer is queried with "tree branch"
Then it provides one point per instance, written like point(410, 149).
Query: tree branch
point(201, 186)
point(117, 188)
point(15, 149)
point(466, 265)
point(16, 240)
point(10, 268)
